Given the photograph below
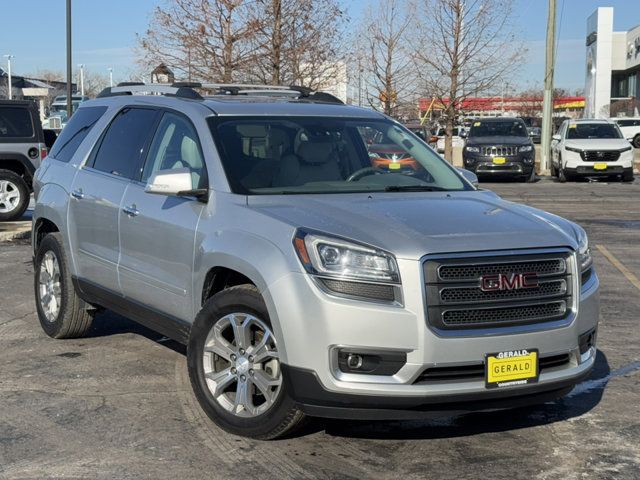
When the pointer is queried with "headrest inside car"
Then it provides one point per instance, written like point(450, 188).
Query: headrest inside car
point(315, 153)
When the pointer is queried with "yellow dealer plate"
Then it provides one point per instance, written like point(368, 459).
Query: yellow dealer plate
point(499, 160)
point(599, 166)
point(515, 367)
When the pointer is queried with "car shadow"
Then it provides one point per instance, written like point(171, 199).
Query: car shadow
point(107, 323)
point(575, 404)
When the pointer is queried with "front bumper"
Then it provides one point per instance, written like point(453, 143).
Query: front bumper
point(518, 166)
point(311, 324)
point(590, 171)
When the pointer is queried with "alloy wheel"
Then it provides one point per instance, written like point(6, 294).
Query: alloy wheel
point(241, 365)
point(9, 196)
point(49, 286)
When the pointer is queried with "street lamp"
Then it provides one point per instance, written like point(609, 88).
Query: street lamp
point(9, 57)
point(81, 66)
point(110, 76)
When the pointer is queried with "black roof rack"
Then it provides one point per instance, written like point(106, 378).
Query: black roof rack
point(186, 90)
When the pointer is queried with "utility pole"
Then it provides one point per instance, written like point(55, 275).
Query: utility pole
point(69, 72)
point(81, 66)
point(10, 87)
point(547, 106)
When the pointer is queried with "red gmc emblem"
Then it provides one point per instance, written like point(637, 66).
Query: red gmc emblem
point(504, 281)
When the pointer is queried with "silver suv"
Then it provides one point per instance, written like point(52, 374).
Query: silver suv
point(316, 258)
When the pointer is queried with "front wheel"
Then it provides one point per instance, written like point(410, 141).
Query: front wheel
point(234, 366)
point(14, 196)
point(636, 141)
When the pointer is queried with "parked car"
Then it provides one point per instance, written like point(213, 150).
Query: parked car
point(457, 139)
point(630, 128)
point(391, 157)
point(303, 280)
point(500, 147)
point(57, 118)
point(591, 148)
point(535, 134)
point(22, 148)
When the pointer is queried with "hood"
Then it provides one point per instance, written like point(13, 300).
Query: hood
point(410, 225)
point(598, 143)
point(498, 140)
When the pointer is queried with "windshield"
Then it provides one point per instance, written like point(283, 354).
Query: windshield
point(585, 131)
point(327, 155)
point(505, 128)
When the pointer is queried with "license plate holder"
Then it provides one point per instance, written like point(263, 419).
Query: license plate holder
point(511, 368)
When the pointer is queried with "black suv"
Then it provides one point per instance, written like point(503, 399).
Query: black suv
point(500, 147)
point(23, 145)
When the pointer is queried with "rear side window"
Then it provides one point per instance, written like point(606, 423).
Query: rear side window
point(123, 143)
point(15, 122)
point(75, 132)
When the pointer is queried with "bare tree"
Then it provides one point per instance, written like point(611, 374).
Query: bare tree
point(462, 49)
point(298, 41)
point(208, 40)
point(388, 64)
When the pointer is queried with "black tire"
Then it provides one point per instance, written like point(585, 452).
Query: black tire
point(532, 176)
point(283, 416)
point(75, 316)
point(562, 176)
point(636, 141)
point(24, 195)
point(627, 175)
point(553, 170)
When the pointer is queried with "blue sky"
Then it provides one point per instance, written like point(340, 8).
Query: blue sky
point(105, 34)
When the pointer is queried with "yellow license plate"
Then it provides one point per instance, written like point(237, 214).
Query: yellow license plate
point(499, 160)
point(515, 367)
point(599, 166)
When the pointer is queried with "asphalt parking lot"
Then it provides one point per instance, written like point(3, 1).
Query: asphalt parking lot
point(118, 404)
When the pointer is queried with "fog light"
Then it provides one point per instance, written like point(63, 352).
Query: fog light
point(370, 363)
point(354, 361)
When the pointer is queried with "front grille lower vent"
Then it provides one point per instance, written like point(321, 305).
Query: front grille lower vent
point(458, 296)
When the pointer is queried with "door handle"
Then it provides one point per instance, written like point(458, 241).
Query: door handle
point(131, 210)
point(77, 194)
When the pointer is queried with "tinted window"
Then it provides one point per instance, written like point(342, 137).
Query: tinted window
point(124, 141)
point(507, 128)
point(75, 132)
point(15, 122)
point(175, 145)
point(592, 130)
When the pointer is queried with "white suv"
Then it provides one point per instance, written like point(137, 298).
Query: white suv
point(590, 148)
point(630, 128)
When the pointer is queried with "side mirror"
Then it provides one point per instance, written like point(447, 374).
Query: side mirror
point(174, 183)
point(556, 137)
point(469, 176)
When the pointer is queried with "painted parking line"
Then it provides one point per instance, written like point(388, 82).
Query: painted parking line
point(616, 263)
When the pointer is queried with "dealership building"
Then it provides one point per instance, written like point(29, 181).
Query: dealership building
point(612, 86)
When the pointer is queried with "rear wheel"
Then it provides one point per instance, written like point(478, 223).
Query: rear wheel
point(61, 312)
point(234, 366)
point(14, 195)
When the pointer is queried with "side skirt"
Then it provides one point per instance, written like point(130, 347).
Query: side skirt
point(167, 325)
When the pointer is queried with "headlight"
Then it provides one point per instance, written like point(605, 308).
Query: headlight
point(472, 149)
point(526, 148)
point(584, 252)
point(334, 257)
point(571, 149)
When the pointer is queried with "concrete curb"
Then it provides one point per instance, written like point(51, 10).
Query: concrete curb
point(23, 233)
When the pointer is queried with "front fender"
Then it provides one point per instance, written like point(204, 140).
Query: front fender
point(253, 256)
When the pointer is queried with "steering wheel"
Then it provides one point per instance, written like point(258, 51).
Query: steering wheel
point(363, 172)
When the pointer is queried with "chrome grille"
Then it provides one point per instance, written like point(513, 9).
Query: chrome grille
point(499, 151)
point(600, 155)
point(456, 300)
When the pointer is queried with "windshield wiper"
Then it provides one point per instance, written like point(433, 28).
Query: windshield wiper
point(414, 188)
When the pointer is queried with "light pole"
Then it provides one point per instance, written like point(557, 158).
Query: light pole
point(110, 76)
point(81, 66)
point(9, 57)
point(69, 72)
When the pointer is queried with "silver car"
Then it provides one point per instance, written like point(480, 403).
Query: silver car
point(305, 274)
